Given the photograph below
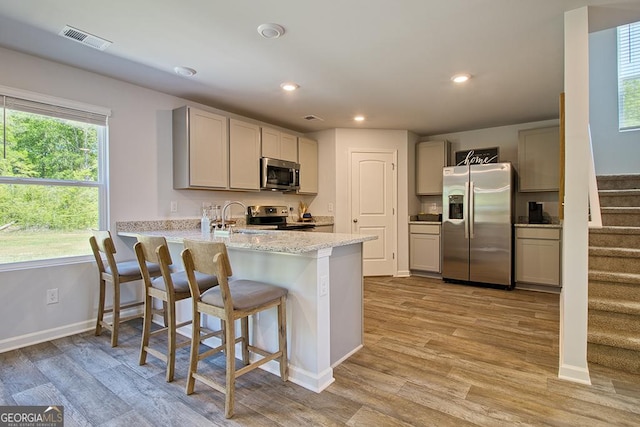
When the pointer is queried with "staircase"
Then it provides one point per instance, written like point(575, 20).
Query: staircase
point(614, 276)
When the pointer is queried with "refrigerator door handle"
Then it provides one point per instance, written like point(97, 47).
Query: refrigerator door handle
point(466, 211)
point(471, 215)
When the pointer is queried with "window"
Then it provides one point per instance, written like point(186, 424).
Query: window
point(629, 76)
point(52, 177)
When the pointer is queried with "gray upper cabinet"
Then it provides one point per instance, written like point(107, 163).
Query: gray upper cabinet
point(199, 149)
point(279, 145)
point(308, 159)
point(538, 159)
point(244, 155)
point(431, 157)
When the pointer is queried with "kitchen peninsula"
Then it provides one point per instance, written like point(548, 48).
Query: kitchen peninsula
point(323, 273)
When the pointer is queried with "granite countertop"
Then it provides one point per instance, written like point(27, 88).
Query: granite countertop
point(425, 222)
point(252, 238)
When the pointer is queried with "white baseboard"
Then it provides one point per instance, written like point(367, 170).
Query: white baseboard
point(576, 374)
point(38, 337)
point(46, 335)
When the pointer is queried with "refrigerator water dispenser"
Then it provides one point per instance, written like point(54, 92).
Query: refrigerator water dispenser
point(456, 204)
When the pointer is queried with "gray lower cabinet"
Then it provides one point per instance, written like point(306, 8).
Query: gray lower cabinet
point(538, 256)
point(424, 247)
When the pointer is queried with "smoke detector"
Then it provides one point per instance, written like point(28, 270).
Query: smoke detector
point(84, 38)
point(270, 31)
point(311, 117)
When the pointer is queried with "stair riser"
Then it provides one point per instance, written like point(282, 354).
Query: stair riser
point(614, 322)
point(617, 358)
point(621, 219)
point(628, 182)
point(614, 264)
point(621, 291)
point(619, 201)
point(630, 241)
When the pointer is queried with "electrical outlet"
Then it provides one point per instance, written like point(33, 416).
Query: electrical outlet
point(174, 206)
point(52, 296)
point(330, 207)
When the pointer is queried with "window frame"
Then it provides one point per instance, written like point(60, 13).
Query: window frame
point(102, 183)
point(632, 73)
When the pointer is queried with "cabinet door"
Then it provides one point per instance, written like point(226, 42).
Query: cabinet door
point(308, 159)
point(199, 149)
point(288, 147)
point(424, 252)
point(270, 143)
point(538, 159)
point(538, 261)
point(244, 155)
point(431, 157)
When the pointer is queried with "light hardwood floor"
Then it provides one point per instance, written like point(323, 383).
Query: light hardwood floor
point(435, 355)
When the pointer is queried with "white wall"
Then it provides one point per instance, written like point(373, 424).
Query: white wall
point(140, 187)
point(608, 142)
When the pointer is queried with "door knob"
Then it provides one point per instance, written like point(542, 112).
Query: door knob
point(355, 220)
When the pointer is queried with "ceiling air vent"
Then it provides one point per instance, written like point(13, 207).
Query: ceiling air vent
point(313, 117)
point(84, 38)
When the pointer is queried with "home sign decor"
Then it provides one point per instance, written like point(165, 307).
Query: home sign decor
point(477, 156)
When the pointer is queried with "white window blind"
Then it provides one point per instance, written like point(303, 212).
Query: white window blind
point(629, 76)
point(60, 112)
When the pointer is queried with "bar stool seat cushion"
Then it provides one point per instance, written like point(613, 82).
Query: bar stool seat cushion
point(245, 294)
point(132, 268)
point(181, 283)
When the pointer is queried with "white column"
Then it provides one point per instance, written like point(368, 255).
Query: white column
point(574, 296)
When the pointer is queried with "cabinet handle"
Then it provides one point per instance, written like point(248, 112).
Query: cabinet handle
point(355, 220)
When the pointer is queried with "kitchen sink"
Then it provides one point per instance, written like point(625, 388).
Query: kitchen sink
point(250, 231)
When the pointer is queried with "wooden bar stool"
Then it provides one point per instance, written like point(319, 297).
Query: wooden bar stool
point(115, 273)
point(170, 287)
point(229, 301)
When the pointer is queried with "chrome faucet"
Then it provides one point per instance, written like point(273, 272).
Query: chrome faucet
point(224, 210)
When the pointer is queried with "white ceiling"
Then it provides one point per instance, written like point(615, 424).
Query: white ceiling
point(390, 60)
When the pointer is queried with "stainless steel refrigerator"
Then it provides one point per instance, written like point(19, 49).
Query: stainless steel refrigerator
point(477, 218)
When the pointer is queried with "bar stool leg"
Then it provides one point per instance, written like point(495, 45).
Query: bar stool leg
point(146, 328)
point(282, 338)
point(230, 333)
point(116, 313)
point(171, 345)
point(101, 303)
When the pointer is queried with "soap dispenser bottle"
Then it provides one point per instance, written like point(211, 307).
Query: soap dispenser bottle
point(205, 223)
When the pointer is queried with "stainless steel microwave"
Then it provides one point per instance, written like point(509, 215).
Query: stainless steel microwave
point(279, 175)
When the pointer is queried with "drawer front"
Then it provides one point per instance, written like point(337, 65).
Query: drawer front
point(424, 228)
point(538, 233)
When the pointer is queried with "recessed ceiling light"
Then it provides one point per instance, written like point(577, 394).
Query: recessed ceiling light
point(185, 71)
point(359, 118)
point(289, 86)
point(460, 78)
point(270, 31)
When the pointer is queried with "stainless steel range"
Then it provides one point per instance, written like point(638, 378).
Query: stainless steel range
point(276, 216)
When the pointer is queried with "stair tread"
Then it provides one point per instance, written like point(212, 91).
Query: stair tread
point(613, 339)
point(620, 191)
point(614, 305)
point(614, 251)
point(631, 278)
point(620, 209)
point(615, 229)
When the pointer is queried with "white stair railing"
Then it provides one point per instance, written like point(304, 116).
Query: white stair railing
point(595, 216)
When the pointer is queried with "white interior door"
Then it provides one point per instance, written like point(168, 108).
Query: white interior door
point(373, 203)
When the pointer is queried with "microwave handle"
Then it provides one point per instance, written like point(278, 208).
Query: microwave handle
point(296, 177)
